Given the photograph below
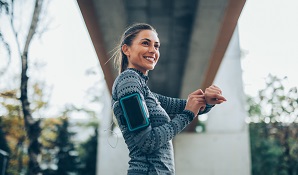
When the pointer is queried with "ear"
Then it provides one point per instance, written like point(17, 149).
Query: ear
point(125, 50)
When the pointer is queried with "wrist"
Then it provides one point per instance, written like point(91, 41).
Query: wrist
point(209, 105)
point(189, 114)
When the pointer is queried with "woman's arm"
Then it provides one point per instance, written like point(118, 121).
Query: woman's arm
point(150, 138)
point(176, 105)
point(171, 105)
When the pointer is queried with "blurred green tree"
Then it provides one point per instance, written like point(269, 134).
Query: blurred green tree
point(274, 129)
point(3, 142)
point(23, 112)
point(3, 5)
point(88, 154)
point(67, 155)
point(22, 47)
point(4, 151)
point(12, 124)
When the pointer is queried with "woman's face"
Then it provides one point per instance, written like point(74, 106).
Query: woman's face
point(143, 53)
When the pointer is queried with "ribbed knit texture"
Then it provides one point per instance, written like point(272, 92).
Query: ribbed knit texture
point(150, 149)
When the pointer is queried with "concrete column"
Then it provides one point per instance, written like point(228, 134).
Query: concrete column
point(224, 148)
point(229, 116)
point(112, 157)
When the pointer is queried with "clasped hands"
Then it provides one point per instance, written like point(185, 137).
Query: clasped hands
point(197, 100)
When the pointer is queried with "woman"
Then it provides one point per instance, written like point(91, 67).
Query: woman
point(150, 144)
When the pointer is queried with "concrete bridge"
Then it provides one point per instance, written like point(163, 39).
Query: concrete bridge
point(199, 47)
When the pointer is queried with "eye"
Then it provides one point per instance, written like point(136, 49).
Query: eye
point(157, 46)
point(145, 43)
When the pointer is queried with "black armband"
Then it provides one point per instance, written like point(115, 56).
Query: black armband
point(135, 112)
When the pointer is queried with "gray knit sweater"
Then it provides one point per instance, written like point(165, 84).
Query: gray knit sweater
point(150, 149)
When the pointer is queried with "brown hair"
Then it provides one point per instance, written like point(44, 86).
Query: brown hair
point(121, 60)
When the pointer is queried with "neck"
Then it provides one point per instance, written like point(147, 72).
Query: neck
point(145, 72)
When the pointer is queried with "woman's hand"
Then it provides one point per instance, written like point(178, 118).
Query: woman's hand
point(213, 95)
point(196, 101)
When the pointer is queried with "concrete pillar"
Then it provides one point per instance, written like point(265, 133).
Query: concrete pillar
point(112, 157)
point(224, 148)
point(229, 116)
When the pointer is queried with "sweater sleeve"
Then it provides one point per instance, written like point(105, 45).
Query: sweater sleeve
point(176, 105)
point(150, 138)
point(171, 105)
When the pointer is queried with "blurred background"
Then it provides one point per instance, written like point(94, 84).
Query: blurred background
point(56, 76)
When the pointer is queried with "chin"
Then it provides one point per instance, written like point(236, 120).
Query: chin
point(151, 68)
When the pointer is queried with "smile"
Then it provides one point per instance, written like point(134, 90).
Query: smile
point(152, 59)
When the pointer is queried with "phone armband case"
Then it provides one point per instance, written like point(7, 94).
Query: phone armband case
point(135, 112)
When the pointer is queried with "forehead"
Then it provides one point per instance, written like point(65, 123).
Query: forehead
point(149, 34)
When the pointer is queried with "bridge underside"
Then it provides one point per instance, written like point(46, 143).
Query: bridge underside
point(194, 36)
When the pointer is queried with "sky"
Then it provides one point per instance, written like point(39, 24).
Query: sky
point(268, 39)
point(66, 51)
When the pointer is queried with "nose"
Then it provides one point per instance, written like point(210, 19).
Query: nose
point(152, 49)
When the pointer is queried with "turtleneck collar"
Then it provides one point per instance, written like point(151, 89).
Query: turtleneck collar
point(145, 77)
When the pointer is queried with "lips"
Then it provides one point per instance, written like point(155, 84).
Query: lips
point(152, 59)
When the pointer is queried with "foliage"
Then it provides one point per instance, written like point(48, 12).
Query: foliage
point(49, 149)
point(59, 153)
point(53, 147)
point(22, 46)
point(12, 124)
point(13, 127)
point(274, 129)
point(4, 6)
point(67, 155)
point(57, 147)
point(88, 154)
point(3, 142)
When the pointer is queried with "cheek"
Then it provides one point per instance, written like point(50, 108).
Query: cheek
point(158, 55)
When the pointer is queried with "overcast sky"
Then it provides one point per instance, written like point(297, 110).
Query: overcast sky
point(268, 39)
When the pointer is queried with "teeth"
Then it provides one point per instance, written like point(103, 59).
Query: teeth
point(150, 58)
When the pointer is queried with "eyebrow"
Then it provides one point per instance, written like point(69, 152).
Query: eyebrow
point(147, 39)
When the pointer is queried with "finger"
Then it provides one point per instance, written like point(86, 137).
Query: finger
point(214, 86)
point(201, 100)
point(214, 89)
point(197, 92)
point(219, 97)
point(198, 101)
point(198, 96)
point(218, 101)
point(202, 108)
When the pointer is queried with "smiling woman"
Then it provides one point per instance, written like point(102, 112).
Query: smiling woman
point(144, 51)
point(143, 116)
